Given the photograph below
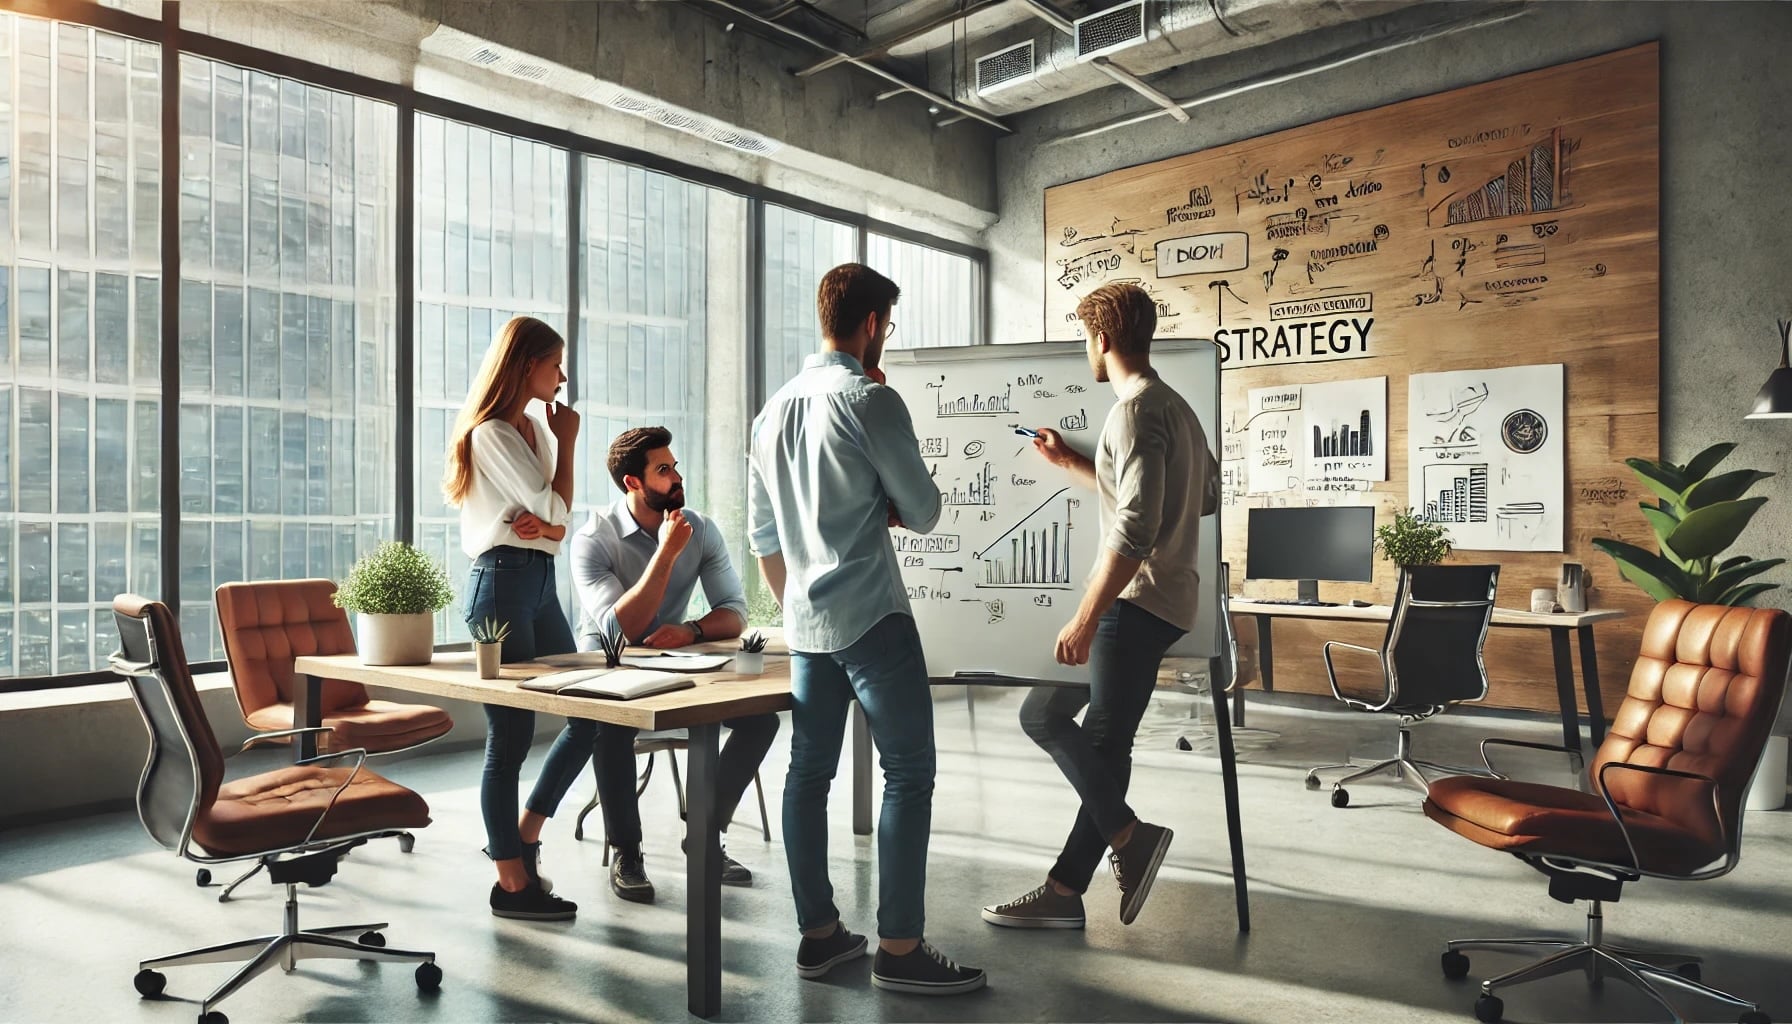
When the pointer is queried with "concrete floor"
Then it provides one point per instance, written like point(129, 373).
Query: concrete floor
point(1350, 907)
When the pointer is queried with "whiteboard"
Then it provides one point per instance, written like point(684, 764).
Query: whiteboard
point(1005, 568)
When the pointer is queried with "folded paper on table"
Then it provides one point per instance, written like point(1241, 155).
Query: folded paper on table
point(663, 661)
point(610, 683)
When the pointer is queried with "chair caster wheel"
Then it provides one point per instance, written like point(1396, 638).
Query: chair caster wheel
point(406, 842)
point(1690, 972)
point(429, 977)
point(1753, 1017)
point(1182, 743)
point(202, 877)
point(372, 939)
point(1340, 797)
point(214, 1017)
point(1489, 1009)
point(1455, 965)
point(1312, 782)
point(150, 983)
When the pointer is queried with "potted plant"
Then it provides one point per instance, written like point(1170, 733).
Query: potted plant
point(395, 591)
point(1695, 519)
point(750, 660)
point(1410, 540)
point(488, 646)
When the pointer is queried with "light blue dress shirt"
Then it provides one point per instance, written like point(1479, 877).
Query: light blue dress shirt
point(610, 554)
point(831, 452)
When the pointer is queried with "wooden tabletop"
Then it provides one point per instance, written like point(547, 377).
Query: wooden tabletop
point(717, 695)
point(1380, 613)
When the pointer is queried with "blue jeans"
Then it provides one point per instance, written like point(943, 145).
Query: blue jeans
point(1096, 756)
point(514, 586)
point(886, 672)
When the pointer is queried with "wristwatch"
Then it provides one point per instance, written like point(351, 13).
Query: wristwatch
point(695, 627)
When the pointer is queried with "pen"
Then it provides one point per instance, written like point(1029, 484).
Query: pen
point(1025, 432)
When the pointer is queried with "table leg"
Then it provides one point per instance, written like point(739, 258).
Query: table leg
point(1558, 638)
point(703, 877)
point(307, 713)
point(1234, 833)
point(1266, 660)
point(861, 772)
point(1589, 681)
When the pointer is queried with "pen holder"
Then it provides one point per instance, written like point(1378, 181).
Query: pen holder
point(1543, 600)
point(485, 656)
point(749, 663)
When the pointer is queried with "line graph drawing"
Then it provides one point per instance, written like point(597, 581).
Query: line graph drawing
point(1034, 553)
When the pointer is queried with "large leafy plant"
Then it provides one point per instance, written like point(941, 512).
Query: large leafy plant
point(1697, 515)
point(394, 579)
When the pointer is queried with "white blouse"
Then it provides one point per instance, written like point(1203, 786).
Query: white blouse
point(509, 477)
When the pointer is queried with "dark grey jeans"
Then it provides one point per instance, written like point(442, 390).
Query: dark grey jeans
point(1096, 756)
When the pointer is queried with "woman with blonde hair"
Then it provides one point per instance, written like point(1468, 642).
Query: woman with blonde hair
point(511, 475)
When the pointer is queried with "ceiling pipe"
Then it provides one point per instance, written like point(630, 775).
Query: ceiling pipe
point(1049, 14)
point(943, 102)
point(1312, 67)
point(883, 46)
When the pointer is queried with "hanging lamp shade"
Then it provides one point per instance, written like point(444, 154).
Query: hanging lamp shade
point(1774, 401)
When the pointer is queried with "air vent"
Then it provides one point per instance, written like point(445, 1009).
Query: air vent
point(1004, 68)
point(686, 121)
point(1115, 29)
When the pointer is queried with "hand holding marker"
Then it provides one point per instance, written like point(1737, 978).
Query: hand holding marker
point(1026, 432)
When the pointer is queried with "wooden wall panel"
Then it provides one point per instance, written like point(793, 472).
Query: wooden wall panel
point(1503, 224)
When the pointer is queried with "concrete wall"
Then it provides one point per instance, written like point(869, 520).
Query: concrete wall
point(1726, 145)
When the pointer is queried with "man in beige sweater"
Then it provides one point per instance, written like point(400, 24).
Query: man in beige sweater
point(1152, 473)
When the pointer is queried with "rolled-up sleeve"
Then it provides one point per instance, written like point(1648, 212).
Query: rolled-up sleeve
point(1138, 453)
point(889, 441)
point(762, 518)
point(506, 461)
point(721, 582)
point(599, 588)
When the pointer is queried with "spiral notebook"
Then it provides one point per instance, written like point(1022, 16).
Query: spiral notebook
point(608, 683)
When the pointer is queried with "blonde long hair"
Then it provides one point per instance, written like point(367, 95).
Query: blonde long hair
point(495, 393)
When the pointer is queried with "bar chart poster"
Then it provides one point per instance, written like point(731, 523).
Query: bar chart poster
point(1344, 433)
point(1487, 457)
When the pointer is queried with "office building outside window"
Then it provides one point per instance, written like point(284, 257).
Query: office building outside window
point(80, 361)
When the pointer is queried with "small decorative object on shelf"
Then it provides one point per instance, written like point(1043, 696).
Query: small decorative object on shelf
point(395, 591)
point(751, 659)
point(488, 646)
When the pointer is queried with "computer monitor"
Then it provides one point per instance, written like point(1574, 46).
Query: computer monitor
point(1311, 544)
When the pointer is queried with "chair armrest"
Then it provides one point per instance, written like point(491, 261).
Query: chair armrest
point(280, 734)
point(1731, 853)
point(360, 756)
point(128, 668)
point(1496, 741)
point(1331, 675)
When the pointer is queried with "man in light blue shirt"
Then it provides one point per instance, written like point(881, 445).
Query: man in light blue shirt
point(833, 465)
point(636, 564)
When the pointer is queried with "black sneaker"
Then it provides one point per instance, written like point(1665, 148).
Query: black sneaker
point(924, 971)
point(733, 871)
point(628, 876)
point(532, 903)
point(816, 957)
point(1135, 867)
point(1041, 908)
point(532, 864)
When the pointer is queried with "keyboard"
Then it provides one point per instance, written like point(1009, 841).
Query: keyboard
point(1290, 600)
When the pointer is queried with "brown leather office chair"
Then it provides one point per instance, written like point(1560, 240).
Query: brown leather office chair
point(297, 821)
point(269, 623)
point(1667, 787)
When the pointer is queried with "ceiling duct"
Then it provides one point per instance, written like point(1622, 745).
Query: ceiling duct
point(1005, 69)
point(1112, 31)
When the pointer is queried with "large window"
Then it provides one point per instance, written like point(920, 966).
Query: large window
point(80, 362)
point(939, 304)
point(799, 249)
point(491, 244)
point(287, 340)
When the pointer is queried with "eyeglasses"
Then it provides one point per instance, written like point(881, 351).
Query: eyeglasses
point(889, 329)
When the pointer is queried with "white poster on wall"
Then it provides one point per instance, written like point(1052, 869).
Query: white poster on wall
point(1271, 448)
point(1485, 455)
point(1344, 433)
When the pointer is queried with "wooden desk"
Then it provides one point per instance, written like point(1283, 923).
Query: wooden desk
point(1559, 626)
point(701, 709)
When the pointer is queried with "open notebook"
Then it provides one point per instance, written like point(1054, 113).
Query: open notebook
point(610, 683)
point(665, 661)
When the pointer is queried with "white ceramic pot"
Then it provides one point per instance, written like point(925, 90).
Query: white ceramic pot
point(749, 663)
point(1767, 791)
point(487, 657)
point(395, 639)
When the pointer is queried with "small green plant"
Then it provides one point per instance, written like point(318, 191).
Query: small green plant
point(394, 579)
point(753, 643)
point(491, 631)
point(1696, 517)
point(1410, 540)
point(612, 644)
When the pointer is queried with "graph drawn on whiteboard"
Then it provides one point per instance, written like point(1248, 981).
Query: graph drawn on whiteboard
point(1034, 553)
point(1455, 493)
point(973, 404)
point(978, 490)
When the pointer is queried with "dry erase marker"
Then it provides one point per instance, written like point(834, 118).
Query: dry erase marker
point(1025, 432)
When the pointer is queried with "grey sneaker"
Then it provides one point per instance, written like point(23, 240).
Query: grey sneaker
point(924, 971)
point(1135, 867)
point(1041, 908)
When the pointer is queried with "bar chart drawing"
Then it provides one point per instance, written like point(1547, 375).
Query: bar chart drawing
point(1033, 553)
point(973, 404)
point(1456, 493)
point(976, 491)
point(1344, 439)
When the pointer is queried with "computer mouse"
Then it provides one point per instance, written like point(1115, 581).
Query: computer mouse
point(1357, 602)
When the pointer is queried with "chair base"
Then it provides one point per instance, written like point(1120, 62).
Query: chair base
point(406, 842)
point(1650, 971)
point(1403, 765)
point(286, 949)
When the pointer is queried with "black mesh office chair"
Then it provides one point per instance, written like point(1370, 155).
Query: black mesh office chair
point(1430, 659)
point(297, 821)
